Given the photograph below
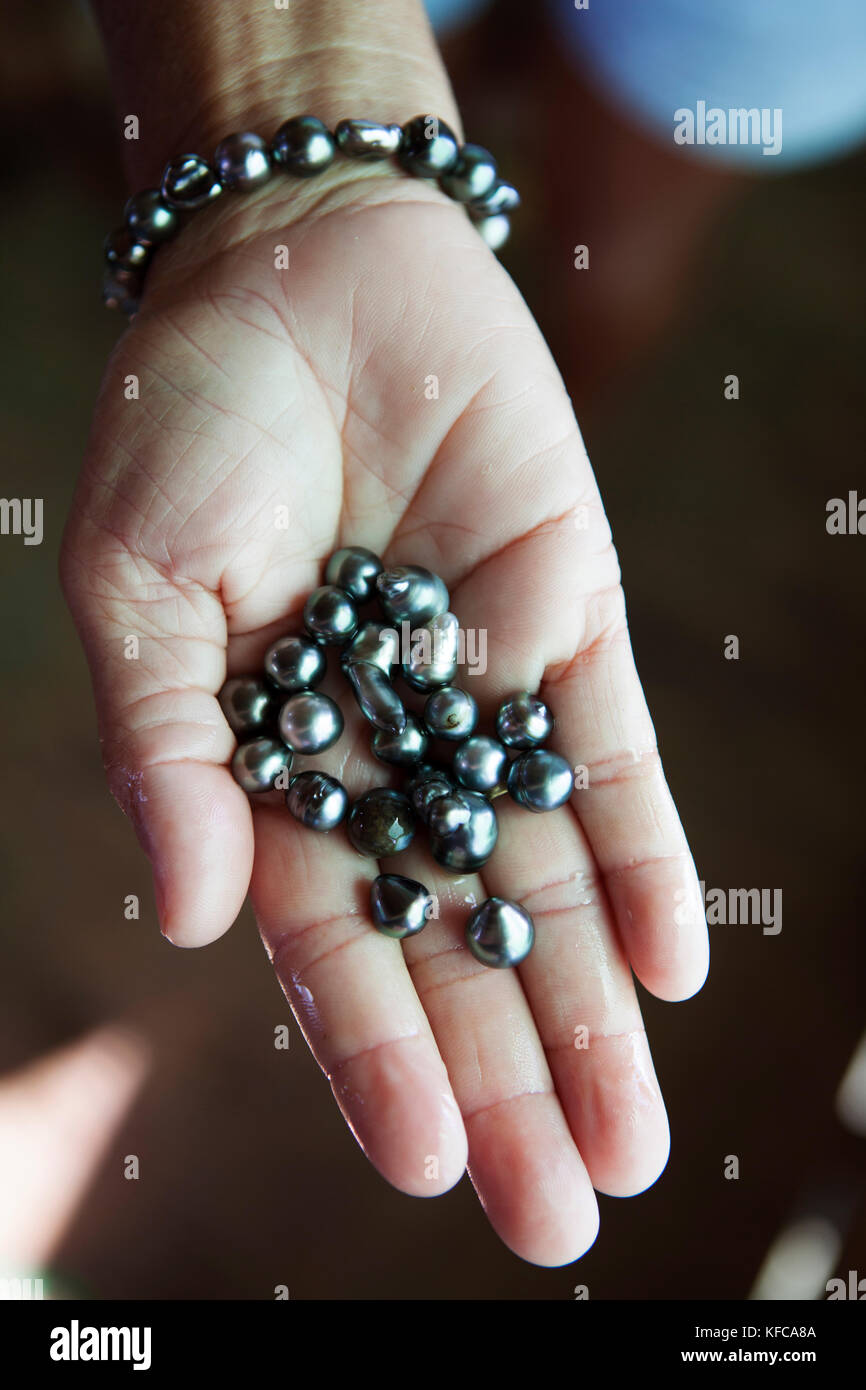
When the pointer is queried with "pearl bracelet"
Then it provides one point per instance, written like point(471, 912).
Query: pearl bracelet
point(425, 147)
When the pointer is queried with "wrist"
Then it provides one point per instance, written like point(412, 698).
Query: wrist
point(190, 81)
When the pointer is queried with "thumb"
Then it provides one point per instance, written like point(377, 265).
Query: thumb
point(155, 644)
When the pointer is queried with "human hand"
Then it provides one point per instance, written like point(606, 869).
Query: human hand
point(262, 389)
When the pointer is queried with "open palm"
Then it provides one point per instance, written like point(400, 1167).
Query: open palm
point(389, 388)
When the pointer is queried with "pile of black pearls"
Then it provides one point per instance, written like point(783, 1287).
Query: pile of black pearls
point(280, 714)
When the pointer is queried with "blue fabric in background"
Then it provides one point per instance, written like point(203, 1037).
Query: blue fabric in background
point(653, 57)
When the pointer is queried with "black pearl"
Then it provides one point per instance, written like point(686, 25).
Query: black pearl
point(411, 593)
point(249, 706)
point(500, 933)
point(428, 147)
point(377, 699)
point(451, 713)
point(123, 252)
point(473, 176)
point(433, 652)
point(295, 663)
point(401, 750)
point(374, 645)
point(367, 139)
point(242, 161)
point(447, 814)
point(316, 799)
point(381, 822)
point(502, 199)
point(470, 844)
point(523, 721)
point(303, 146)
point(540, 780)
point(310, 722)
point(189, 182)
point(481, 765)
point(121, 289)
point(330, 615)
point(148, 219)
point(356, 570)
point(494, 231)
point(257, 763)
point(398, 905)
point(426, 785)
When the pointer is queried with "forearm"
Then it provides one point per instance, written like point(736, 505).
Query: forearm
point(193, 71)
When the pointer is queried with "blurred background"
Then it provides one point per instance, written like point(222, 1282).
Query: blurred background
point(248, 1177)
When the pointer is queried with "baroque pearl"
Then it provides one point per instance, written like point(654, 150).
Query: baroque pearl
point(381, 822)
point(451, 713)
point(470, 844)
point(330, 615)
point(481, 765)
point(295, 663)
point(242, 161)
point(249, 706)
point(399, 906)
point(428, 147)
point(432, 659)
point(316, 799)
point(303, 146)
point(411, 593)
point(310, 722)
point(148, 219)
point(501, 199)
point(377, 699)
point(401, 750)
point(540, 780)
point(425, 786)
point(189, 182)
point(258, 762)
point(473, 177)
point(367, 139)
point(500, 933)
point(355, 569)
point(524, 721)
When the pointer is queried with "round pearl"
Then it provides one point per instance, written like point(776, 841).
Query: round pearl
point(428, 147)
point(473, 176)
point(249, 706)
point(330, 615)
point(401, 750)
point(310, 722)
point(398, 905)
point(447, 814)
point(494, 231)
point(295, 663)
point(189, 182)
point(481, 765)
point(411, 593)
point(148, 219)
point(500, 933)
point(381, 822)
point(257, 763)
point(471, 844)
point(367, 139)
point(303, 146)
point(524, 721)
point(540, 780)
point(451, 713)
point(501, 199)
point(123, 252)
point(316, 799)
point(121, 289)
point(356, 570)
point(242, 161)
